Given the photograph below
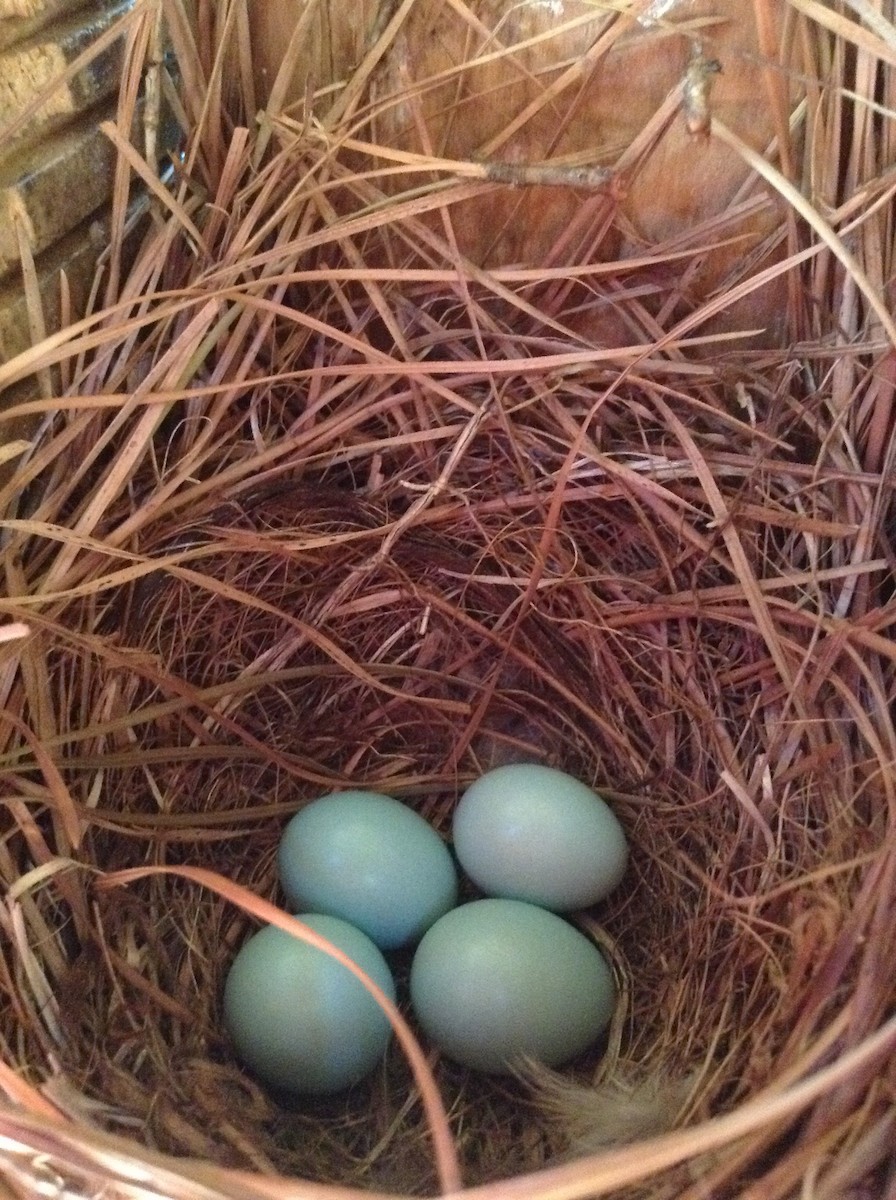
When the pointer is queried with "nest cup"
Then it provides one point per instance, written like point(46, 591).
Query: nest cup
point(343, 481)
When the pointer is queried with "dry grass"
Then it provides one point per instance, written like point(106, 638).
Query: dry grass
point(290, 520)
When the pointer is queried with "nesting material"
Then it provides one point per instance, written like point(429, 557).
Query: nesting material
point(600, 1116)
point(300, 513)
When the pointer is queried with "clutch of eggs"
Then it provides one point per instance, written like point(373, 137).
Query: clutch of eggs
point(492, 981)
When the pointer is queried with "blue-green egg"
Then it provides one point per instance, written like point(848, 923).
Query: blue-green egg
point(496, 981)
point(529, 832)
point(371, 860)
point(301, 1020)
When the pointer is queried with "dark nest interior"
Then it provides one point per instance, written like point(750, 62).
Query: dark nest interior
point(295, 519)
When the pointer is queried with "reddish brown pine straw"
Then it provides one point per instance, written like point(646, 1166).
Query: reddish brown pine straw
point(306, 501)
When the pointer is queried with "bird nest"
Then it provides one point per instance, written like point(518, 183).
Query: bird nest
point(290, 522)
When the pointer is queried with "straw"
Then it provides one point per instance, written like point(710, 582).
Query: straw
point(322, 491)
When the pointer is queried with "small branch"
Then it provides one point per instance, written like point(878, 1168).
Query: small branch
point(549, 175)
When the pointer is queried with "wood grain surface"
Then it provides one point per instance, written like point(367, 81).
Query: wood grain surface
point(56, 168)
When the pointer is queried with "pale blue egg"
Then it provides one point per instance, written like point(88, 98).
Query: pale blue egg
point(529, 832)
point(301, 1020)
point(371, 860)
point(495, 981)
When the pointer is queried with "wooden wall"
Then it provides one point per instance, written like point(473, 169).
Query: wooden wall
point(56, 168)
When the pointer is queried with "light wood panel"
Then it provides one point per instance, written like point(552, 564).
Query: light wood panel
point(56, 168)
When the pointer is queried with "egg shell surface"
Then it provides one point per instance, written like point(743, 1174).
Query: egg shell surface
point(371, 860)
point(496, 980)
point(529, 832)
point(301, 1020)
